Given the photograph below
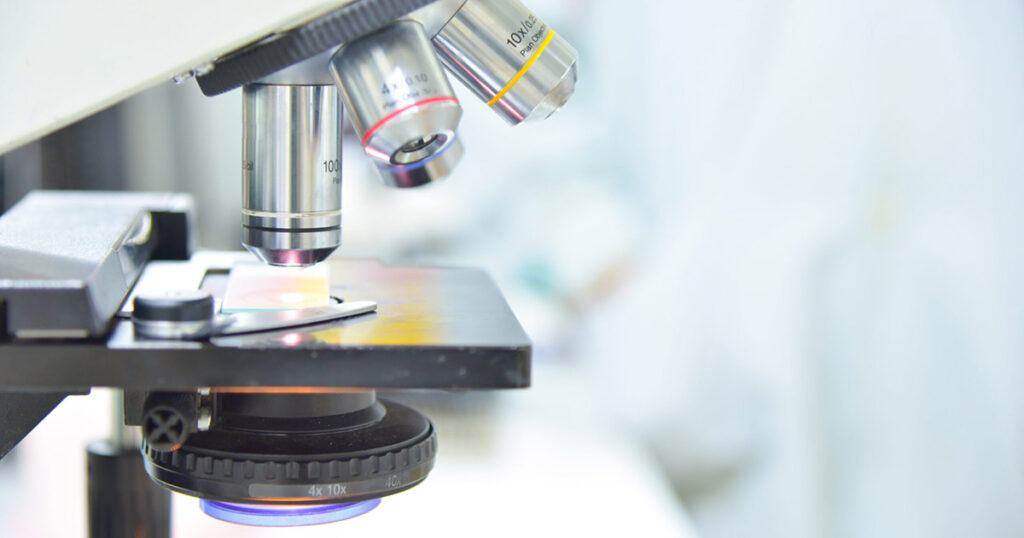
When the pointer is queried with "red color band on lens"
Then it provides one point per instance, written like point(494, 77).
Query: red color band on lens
point(391, 116)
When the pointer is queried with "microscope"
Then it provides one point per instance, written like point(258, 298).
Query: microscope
point(252, 384)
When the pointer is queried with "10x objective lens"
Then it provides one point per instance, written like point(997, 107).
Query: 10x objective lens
point(509, 58)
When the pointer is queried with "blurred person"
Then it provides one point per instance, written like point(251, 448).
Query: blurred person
point(822, 336)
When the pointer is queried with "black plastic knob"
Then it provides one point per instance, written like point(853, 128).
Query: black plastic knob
point(184, 305)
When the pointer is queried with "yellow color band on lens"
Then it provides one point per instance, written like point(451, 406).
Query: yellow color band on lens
point(526, 67)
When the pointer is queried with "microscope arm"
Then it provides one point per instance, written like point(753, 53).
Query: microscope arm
point(120, 48)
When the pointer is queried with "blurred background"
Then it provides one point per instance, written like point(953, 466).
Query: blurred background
point(773, 247)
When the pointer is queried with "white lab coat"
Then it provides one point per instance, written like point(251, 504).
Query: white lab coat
point(825, 338)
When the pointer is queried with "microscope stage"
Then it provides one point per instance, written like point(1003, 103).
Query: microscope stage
point(434, 328)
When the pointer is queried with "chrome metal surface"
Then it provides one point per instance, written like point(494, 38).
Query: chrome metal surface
point(121, 434)
point(488, 43)
point(316, 70)
point(291, 172)
point(397, 94)
point(423, 172)
point(204, 419)
point(173, 330)
point(251, 322)
point(434, 16)
point(248, 322)
point(291, 247)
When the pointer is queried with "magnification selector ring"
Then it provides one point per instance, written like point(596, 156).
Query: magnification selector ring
point(319, 467)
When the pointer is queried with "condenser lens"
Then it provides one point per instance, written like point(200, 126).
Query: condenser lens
point(266, 515)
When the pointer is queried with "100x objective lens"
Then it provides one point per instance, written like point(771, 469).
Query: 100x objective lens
point(291, 175)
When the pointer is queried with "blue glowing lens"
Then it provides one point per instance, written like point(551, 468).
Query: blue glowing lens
point(266, 515)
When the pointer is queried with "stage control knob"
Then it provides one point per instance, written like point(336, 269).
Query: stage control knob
point(175, 315)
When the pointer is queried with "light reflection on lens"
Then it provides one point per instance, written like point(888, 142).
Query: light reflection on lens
point(427, 170)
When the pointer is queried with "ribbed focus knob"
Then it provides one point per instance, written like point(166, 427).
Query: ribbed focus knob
point(254, 462)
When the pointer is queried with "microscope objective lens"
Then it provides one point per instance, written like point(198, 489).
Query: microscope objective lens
point(250, 381)
point(291, 175)
point(509, 58)
point(401, 103)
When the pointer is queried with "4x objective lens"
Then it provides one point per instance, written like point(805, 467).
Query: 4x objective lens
point(400, 101)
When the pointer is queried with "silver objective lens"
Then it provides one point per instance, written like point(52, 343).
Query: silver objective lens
point(510, 59)
point(400, 101)
point(291, 172)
